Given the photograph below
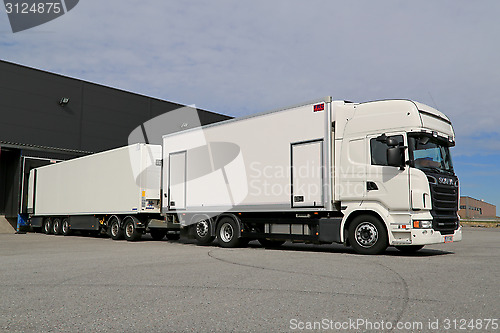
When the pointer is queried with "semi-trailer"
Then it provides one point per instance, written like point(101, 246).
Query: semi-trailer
point(116, 191)
point(368, 175)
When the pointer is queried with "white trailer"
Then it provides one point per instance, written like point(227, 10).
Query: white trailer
point(117, 191)
point(369, 175)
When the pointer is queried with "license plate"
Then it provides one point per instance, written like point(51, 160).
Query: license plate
point(448, 239)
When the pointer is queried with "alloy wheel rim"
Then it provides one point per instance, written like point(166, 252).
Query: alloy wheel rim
point(129, 230)
point(366, 234)
point(226, 232)
point(114, 229)
point(202, 228)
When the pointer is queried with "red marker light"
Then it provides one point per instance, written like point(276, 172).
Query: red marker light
point(319, 107)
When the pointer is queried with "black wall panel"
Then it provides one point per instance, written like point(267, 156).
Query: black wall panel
point(96, 118)
point(29, 109)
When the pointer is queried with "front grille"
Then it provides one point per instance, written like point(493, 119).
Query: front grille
point(444, 199)
point(444, 208)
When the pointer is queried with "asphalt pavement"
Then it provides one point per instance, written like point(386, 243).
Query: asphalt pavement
point(67, 284)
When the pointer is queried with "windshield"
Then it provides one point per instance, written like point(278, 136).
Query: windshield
point(430, 153)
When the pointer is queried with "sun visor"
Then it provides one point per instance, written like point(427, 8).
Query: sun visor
point(436, 122)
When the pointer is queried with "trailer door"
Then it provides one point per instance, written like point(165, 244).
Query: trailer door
point(307, 174)
point(177, 180)
point(30, 163)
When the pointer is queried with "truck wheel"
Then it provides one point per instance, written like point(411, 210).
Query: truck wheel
point(270, 243)
point(47, 226)
point(56, 226)
point(367, 235)
point(202, 232)
point(226, 233)
point(66, 231)
point(115, 231)
point(409, 248)
point(175, 236)
point(157, 234)
point(130, 231)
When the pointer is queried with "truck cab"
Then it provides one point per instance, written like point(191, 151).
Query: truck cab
point(393, 164)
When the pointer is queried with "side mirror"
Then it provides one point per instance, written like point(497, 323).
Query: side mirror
point(391, 142)
point(395, 157)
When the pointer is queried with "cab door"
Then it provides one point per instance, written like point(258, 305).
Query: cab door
point(386, 184)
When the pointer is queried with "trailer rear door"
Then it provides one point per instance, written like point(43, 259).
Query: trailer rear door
point(307, 174)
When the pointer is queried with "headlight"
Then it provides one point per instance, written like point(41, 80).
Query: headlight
point(422, 224)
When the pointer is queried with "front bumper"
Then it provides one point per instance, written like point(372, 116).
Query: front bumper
point(424, 237)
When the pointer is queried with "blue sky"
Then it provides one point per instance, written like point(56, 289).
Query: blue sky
point(243, 57)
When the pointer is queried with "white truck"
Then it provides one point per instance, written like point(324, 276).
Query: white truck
point(369, 175)
point(117, 191)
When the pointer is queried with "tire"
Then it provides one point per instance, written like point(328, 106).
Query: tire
point(409, 248)
point(66, 231)
point(172, 237)
point(270, 243)
point(367, 235)
point(115, 231)
point(157, 234)
point(202, 232)
point(226, 233)
point(47, 226)
point(56, 226)
point(130, 231)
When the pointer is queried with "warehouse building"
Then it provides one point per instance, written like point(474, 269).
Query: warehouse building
point(471, 208)
point(47, 117)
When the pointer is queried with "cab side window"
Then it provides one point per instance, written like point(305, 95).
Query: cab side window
point(378, 150)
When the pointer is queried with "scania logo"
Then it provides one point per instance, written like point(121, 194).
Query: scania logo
point(446, 181)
